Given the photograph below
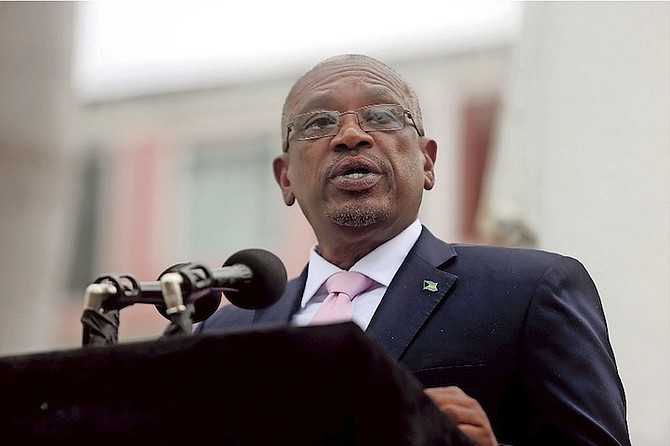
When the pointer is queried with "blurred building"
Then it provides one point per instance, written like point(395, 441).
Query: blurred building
point(556, 137)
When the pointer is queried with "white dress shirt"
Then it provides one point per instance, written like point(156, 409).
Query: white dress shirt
point(380, 265)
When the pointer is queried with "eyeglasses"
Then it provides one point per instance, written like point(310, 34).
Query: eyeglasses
point(371, 118)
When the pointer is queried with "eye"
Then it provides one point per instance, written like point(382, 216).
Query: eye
point(380, 116)
point(319, 121)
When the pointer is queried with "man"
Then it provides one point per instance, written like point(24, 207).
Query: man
point(511, 343)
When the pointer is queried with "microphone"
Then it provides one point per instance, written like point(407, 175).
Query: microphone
point(264, 278)
point(251, 279)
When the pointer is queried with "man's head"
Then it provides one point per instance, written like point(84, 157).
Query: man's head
point(358, 174)
point(340, 62)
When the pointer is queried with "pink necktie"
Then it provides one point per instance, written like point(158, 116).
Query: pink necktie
point(342, 287)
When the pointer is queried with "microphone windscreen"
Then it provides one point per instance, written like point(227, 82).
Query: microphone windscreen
point(268, 281)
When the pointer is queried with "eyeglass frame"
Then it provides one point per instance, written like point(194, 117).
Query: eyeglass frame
point(407, 113)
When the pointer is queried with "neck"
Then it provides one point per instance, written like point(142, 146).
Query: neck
point(346, 246)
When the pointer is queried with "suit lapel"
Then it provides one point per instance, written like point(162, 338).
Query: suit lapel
point(416, 290)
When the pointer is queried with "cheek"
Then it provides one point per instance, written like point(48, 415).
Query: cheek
point(303, 175)
point(409, 173)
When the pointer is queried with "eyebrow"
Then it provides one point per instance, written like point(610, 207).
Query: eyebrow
point(317, 102)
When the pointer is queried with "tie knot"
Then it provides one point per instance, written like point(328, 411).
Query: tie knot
point(350, 283)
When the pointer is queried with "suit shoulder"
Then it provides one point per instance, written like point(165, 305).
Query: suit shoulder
point(506, 258)
point(496, 252)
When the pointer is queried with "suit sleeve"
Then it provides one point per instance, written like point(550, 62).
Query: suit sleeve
point(567, 364)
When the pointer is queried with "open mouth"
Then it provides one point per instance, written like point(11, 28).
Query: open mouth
point(355, 168)
point(356, 173)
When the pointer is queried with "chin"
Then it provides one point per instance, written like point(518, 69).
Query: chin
point(358, 216)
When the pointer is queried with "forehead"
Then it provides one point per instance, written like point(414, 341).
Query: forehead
point(344, 85)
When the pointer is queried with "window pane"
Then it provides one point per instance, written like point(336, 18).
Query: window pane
point(83, 267)
point(229, 199)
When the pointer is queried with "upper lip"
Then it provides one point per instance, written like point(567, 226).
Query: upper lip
point(350, 164)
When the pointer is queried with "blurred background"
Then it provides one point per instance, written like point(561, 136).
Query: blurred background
point(137, 135)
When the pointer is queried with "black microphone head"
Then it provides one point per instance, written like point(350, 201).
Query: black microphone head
point(205, 302)
point(268, 281)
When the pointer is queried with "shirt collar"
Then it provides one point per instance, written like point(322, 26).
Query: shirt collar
point(380, 265)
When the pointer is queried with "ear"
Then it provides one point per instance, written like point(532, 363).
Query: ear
point(429, 150)
point(280, 167)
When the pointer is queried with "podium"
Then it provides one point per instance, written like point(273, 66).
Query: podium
point(325, 385)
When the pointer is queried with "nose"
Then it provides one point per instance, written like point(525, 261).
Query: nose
point(351, 135)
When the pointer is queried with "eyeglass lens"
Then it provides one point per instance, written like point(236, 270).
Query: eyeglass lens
point(320, 124)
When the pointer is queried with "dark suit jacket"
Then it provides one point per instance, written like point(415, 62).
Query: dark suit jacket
point(522, 331)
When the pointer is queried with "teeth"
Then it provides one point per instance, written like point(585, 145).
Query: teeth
point(354, 175)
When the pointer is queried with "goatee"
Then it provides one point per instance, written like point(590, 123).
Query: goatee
point(357, 216)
